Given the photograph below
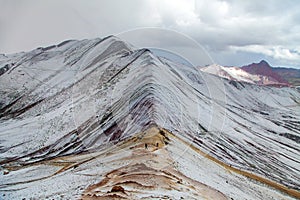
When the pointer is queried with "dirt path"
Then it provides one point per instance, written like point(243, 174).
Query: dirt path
point(150, 174)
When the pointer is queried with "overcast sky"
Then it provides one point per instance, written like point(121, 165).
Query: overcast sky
point(233, 32)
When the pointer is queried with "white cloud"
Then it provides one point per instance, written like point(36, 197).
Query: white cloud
point(277, 52)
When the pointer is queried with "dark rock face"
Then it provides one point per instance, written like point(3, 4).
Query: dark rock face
point(263, 68)
point(290, 74)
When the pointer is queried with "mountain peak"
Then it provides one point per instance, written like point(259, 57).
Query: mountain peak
point(264, 69)
point(263, 62)
point(144, 127)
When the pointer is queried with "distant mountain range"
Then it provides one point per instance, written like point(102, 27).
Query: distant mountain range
point(235, 74)
point(257, 73)
point(290, 74)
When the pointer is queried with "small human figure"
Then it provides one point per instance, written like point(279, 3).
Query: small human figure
point(157, 144)
point(146, 146)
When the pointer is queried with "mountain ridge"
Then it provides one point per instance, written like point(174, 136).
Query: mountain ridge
point(263, 68)
point(260, 73)
point(71, 108)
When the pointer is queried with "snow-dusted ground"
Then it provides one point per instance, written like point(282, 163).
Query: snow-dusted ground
point(238, 74)
point(86, 96)
point(231, 73)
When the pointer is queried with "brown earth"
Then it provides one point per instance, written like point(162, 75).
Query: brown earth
point(149, 174)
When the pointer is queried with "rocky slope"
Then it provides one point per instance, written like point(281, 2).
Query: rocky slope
point(256, 73)
point(234, 74)
point(290, 74)
point(95, 119)
point(264, 69)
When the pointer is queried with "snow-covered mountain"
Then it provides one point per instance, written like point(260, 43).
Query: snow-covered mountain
point(242, 75)
point(231, 73)
point(100, 119)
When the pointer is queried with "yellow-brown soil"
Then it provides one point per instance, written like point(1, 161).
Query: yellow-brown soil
point(150, 170)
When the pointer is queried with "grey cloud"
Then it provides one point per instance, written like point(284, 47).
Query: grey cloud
point(215, 24)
